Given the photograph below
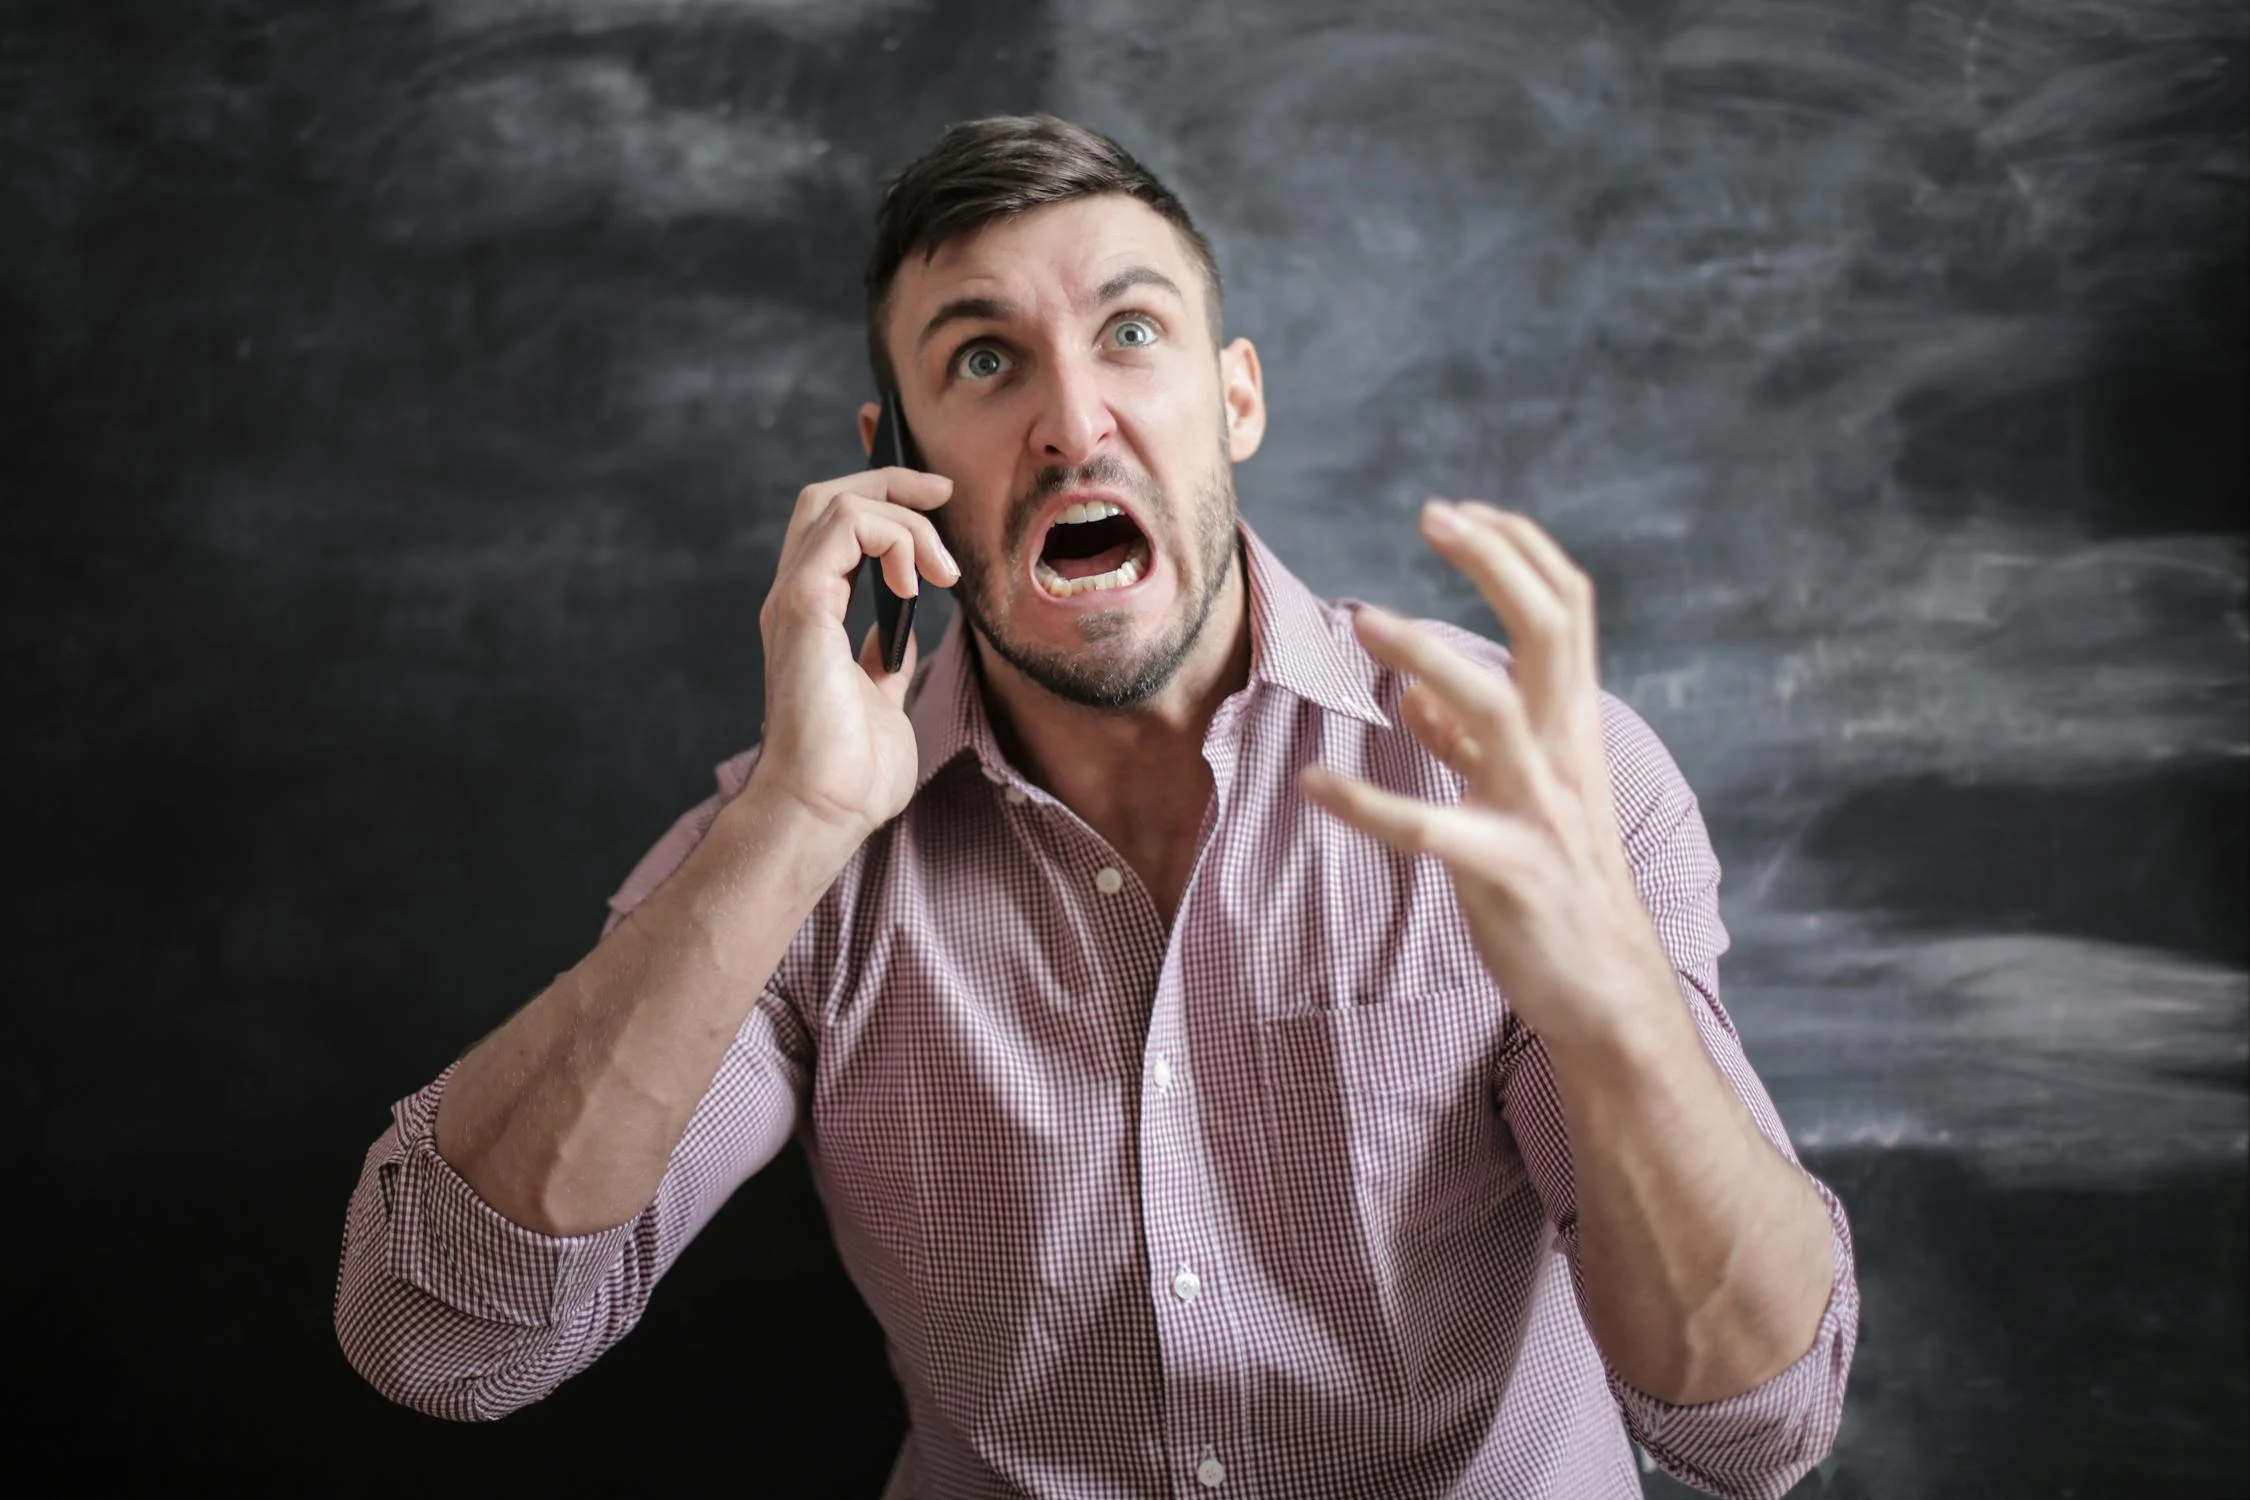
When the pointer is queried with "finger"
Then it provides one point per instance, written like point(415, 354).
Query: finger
point(909, 489)
point(915, 488)
point(905, 541)
point(1510, 761)
point(854, 533)
point(1440, 729)
point(892, 684)
point(816, 578)
point(1553, 565)
point(1403, 646)
point(1471, 840)
point(1571, 583)
point(931, 558)
point(1537, 619)
point(1487, 702)
point(912, 488)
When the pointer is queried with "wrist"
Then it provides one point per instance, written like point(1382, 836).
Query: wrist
point(1632, 1027)
point(788, 852)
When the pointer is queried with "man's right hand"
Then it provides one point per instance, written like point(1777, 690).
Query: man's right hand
point(837, 744)
point(565, 1119)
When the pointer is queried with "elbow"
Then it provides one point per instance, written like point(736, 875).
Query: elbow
point(1756, 1445)
point(422, 1356)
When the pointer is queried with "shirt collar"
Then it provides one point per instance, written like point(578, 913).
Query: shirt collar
point(1302, 644)
point(1298, 644)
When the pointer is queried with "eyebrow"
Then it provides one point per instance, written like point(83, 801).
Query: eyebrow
point(961, 309)
point(1133, 276)
point(994, 310)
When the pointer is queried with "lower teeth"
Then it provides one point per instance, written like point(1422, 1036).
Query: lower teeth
point(1127, 572)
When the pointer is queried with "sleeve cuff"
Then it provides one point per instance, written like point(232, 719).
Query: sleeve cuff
point(452, 1245)
point(1663, 1425)
point(1784, 1424)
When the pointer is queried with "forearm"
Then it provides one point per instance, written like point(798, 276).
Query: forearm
point(564, 1118)
point(1706, 1257)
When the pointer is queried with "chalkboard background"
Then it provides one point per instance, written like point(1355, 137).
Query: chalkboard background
point(402, 402)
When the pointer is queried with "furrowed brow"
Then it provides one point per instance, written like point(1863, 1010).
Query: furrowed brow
point(962, 310)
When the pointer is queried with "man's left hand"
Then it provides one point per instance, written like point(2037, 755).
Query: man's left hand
point(1533, 845)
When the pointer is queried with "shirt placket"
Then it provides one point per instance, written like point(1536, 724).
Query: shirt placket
point(1199, 1337)
point(1203, 1380)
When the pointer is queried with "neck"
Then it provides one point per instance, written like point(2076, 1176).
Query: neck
point(1137, 776)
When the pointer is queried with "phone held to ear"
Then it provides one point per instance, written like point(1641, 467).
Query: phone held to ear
point(894, 614)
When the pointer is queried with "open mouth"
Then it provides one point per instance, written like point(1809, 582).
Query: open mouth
point(1091, 547)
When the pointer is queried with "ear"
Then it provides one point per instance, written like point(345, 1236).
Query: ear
point(1242, 391)
point(869, 415)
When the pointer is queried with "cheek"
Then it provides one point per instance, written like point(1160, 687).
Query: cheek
point(974, 459)
point(972, 528)
point(1177, 435)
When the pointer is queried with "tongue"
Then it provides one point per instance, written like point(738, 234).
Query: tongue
point(1107, 560)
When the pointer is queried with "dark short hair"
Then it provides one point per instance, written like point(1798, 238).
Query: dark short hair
point(995, 168)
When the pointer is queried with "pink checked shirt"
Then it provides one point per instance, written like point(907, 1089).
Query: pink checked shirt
point(1276, 1202)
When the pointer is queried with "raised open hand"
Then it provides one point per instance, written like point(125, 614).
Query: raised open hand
point(1534, 847)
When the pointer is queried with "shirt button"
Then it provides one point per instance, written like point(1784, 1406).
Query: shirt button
point(1163, 1072)
point(1210, 1473)
point(1187, 1286)
point(992, 773)
point(1108, 881)
point(1017, 796)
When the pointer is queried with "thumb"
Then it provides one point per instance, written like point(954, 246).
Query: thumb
point(892, 685)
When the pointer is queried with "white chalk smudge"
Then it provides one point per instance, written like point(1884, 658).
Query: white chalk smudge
point(549, 140)
point(2036, 1058)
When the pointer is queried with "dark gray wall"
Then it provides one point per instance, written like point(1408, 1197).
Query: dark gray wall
point(403, 402)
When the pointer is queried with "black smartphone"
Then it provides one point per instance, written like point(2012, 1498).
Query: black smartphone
point(894, 614)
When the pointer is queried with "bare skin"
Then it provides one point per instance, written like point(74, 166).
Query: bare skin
point(1061, 399)
point(1072, 339)
point(1150, 816)
point(1707, 1258)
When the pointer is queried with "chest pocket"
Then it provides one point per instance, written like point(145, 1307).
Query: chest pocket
point(1381, 1136)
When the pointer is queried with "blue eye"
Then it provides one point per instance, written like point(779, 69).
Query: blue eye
point(981, 362)
point(1136, 333)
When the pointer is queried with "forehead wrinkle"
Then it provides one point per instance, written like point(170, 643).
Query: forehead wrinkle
point(1125, 280)
point(1000, 310)
point(962, 309)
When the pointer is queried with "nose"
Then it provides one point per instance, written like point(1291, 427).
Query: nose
point(1074, 418)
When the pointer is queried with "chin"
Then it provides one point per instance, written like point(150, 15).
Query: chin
point(1112, 656)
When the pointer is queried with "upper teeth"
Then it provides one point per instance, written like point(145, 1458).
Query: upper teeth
point(1092, 510)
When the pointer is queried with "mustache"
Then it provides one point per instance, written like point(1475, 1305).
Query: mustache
point(1105, 472)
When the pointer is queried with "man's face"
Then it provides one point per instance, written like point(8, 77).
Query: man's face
point(1059, 367)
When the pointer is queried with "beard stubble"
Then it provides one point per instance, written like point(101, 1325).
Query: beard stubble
point(1097, 679)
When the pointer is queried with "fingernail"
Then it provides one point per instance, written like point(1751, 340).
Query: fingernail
point(1440, 517)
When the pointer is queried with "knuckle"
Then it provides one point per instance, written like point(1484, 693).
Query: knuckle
point(1544, 622)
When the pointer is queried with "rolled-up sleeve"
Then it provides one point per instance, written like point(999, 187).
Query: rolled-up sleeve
point(445, 1305)
point(1760, 1442)
point(1756, 1444)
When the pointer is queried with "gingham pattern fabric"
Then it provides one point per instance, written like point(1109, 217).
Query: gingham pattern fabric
point(1276, 1202)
